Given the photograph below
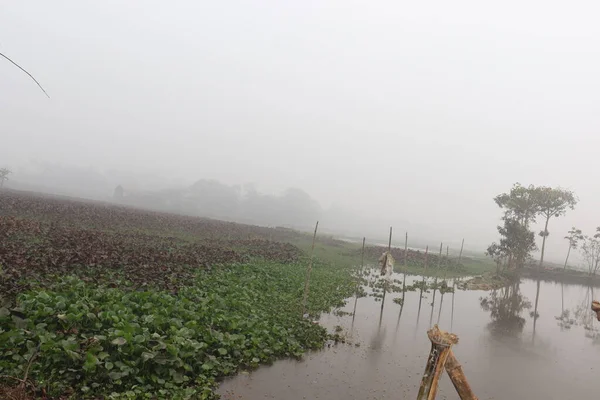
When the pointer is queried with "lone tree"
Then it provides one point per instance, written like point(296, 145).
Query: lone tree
point(552, 203)
point(4, 172)
point(573, 237)
point(590, 250)
point(517, 241)
point(519, 204)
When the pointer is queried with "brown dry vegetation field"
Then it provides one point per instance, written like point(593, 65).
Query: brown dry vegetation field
point(43, 236)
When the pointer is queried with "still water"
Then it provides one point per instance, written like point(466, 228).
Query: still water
point(506, 348)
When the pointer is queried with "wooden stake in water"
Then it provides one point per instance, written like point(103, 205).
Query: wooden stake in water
point(405, 249)
point(362, 263)
point(452, 314)
point(385, 264)
point(461, 249)
point(423, 284)
point(441, 305)
point(310, 263)
point(447, 262)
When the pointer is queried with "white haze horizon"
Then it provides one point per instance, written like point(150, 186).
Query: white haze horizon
point(418, 113)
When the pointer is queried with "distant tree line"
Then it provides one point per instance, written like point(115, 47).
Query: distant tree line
point(211, 198)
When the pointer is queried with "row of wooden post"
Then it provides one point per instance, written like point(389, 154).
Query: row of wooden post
point(440, 356)
point(309, 269)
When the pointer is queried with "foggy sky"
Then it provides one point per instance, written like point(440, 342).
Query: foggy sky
point(419, 110)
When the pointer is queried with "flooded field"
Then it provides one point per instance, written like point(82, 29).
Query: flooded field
point(509, 348)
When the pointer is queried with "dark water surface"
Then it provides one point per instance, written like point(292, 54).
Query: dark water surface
point(505, 352)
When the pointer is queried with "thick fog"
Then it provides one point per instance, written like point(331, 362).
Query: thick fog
point(414, 114)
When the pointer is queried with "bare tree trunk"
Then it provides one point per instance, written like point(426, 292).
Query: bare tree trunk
point(567, 259)
point(544, 242)
point(461, 250)
point(310, 263)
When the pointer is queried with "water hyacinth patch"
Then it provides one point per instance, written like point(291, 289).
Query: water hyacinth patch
point(93, 341)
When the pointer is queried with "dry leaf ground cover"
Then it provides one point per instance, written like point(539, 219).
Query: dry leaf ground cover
point(102, 301)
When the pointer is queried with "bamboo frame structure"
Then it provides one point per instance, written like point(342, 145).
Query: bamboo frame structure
point(596, 308)
point(457, 376)
point(441, 346)
point(441, 357)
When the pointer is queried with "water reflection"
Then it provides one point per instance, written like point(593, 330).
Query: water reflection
point(534, 314)
point(452, 313)
point(580, 315)
point(505, 307)
point(380, 359)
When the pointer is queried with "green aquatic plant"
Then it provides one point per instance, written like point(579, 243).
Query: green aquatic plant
point(97, 341)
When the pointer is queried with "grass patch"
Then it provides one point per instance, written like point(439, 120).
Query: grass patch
point(93, 341)
point(335, 252)
point(468, 267)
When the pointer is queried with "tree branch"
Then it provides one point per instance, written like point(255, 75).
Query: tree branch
point(22, 69)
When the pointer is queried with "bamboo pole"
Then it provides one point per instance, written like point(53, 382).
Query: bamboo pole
point(362, 264)
point(447, 262)
point(457, 376)
point(452, 314)
point(426, 254)
point(441, 346)
point(405, 249)
point(461, 250)
point(309, 270)
point(405, 267)
point(432, 308)
point(435, 279)
point(385, 264)
point(440, 310)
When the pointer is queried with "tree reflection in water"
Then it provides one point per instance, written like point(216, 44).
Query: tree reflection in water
point(580, 315)
point(505, 307)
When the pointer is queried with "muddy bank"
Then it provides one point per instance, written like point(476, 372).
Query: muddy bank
point(486, 282)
